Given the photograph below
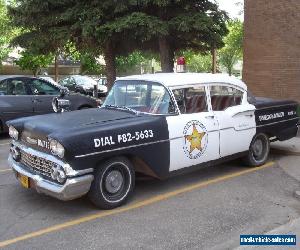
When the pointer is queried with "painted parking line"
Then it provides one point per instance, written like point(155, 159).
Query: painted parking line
point(136, 205)
point(5, 144)
point(5, 170)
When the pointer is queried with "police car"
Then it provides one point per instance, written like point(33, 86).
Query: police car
point(159, 125)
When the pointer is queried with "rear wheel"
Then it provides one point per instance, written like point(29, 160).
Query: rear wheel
point(259, 150)
point(113, 184)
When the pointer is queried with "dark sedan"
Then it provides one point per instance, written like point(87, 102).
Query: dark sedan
point(26, 96)
point(83, 84)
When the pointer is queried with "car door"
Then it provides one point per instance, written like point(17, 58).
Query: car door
point(194, 134)
point(42, 94)
point(14, 99)
point(236, 118)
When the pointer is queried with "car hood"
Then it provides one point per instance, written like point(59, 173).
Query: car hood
point(92, 131)
point(58, 124)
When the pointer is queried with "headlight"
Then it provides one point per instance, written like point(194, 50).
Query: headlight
point(57, 149)
point(58, 174)
point(13, 133)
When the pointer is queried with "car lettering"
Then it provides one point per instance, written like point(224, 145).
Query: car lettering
point(123, 138)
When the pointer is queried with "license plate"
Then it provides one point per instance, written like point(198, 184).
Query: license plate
point(24, 181)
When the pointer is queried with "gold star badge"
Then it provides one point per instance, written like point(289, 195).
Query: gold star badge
point(195, 139)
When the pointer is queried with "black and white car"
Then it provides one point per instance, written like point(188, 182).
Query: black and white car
point(159, 125)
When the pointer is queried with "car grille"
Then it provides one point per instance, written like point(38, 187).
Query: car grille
point(37, 164)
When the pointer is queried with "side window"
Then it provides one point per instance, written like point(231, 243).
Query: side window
point(13, 87)
point(195, 99)
point(39, 87)
point(223, 97)
point(3, 88)
point(191, 100)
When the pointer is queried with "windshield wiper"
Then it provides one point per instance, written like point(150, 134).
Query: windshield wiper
point(122, 108)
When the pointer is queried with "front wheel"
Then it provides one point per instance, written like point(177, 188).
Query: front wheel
point(113, 183)
point(259, 150)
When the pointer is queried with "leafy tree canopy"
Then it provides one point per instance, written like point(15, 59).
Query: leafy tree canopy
point(232, 52)
point(117, 28)
point(34, 63)
point(7, 31)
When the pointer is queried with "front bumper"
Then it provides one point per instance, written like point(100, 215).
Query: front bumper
point(73, 188)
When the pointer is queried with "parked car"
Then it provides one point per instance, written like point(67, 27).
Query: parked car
point(26, 96)
point(82, 84)
point(160, 125)
point(49, 79)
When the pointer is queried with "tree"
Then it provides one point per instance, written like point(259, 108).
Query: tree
point(33, 62)
point(198, 62)
point(117, 28)
point(197, 25)
point(42, 34)
point(7, 32)
point(233, 50)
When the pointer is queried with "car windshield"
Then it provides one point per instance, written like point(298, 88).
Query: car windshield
point(141, 96)
point(85, 80)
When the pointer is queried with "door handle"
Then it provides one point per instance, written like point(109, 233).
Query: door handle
point(249, 115)
point(210, 116)
point(36, 100)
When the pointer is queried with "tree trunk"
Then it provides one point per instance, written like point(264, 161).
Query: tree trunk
point(166, 54)
point(110, 61)
point(56, 68)
point(214, 60)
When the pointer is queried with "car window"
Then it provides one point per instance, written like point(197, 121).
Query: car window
point(191, 100)
point(13, 87)
point(223, 97)
point(141, 96)
point(39, 87)
point(66, 81)
point(85, 80)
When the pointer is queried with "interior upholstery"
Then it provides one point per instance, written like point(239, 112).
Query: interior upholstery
point(222, 102)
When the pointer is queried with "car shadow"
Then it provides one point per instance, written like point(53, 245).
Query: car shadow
point(145, 188)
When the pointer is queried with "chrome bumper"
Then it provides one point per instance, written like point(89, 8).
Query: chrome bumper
point(72, 189)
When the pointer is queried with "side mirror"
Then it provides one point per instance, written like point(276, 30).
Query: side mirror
point(60, 105)
point(64, 92)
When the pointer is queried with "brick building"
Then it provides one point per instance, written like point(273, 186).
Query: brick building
point(272, 48)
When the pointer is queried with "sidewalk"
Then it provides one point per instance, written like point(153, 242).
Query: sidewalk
point(290, 147)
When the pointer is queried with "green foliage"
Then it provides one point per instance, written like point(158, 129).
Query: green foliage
point(133, 61)
point(34, 63)
point(118, 28)
point(7, 32)
point(90, 65)
point(197, 62)
point(233, 50)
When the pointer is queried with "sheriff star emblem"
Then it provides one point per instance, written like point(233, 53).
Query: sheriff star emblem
point(195, 139)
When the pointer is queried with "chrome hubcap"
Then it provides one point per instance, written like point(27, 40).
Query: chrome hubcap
point(114, 181)
point(257, 148)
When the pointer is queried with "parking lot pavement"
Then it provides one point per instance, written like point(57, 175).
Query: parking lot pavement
point(207, 209)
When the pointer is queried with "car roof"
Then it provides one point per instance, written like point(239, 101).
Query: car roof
point(174, 80)
point(2, 77)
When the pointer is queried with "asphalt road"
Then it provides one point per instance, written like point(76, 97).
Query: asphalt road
point(207, 209)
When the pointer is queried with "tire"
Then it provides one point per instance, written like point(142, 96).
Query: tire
point(259, 151)
point(113, 183)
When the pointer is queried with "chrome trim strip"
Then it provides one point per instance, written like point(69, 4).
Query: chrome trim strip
point(72, 189)
point(70, 172)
